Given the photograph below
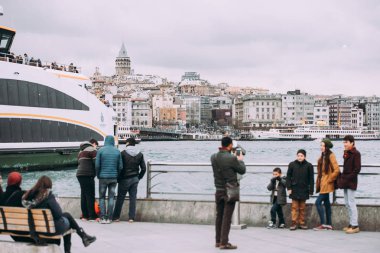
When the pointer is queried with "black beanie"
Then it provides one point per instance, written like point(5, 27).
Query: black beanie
point(302, 151)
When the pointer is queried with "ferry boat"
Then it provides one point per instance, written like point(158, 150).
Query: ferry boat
point(45, 111)
point(125, 132)
point(314, 133)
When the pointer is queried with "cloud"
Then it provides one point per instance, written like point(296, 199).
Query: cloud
point(318, 46)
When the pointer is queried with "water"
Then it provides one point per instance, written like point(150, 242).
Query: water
point(66, 184)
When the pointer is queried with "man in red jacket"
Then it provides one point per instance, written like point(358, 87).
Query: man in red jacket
point(349, 181)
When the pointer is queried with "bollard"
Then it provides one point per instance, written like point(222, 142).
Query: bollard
point(236, 218)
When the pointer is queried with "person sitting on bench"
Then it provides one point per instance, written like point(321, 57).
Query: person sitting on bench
point(41, 196)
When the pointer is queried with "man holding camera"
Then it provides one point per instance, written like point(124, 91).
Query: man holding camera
point(225, 166)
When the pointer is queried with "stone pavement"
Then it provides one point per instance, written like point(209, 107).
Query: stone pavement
point(156, 238)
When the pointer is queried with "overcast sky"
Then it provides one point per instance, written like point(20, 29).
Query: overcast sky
point(323, 46)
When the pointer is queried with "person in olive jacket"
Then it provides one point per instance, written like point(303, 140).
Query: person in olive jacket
point(328, 171)
point(300, 184)
point(349, 181)
point(225, 166)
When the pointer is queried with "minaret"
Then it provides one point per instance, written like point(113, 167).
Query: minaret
point(123, 62)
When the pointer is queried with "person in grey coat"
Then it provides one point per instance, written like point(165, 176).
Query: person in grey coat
point(278, 198)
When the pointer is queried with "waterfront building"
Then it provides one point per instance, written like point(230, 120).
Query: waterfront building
point(297, 108)
point(340, 112)
point(261, 111)
point(321, 115)
point(141, 112)
point(372, 114)
point(122, 106)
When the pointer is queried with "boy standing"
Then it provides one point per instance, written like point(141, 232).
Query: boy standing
point(349, 181)
point(278, 198)
point(300, 184)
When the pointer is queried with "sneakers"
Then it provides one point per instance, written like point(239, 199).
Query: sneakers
point(282, 225)
point(320, 228)
point(131, 221)
point(347, 228)
point(353, 230)
point(103, 221)
point(328, 227)
point(293, 227)
point(271, 225)
point(303, 227)
point(228, 246)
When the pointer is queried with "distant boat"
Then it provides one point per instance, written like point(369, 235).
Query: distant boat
point(314, 133)
point(46, 111)
point(125, 132)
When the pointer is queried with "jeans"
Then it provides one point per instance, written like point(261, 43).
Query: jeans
point(105, 184)
point(298, 211)
point(349, 199)
point(87, 187)
point(325, 198)
point(224, 211)
point(277, 209)
point(73, 225)
point(129, 186)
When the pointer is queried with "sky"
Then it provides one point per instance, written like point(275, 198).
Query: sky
point(321, 47)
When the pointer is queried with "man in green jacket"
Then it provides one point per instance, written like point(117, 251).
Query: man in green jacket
point(225, 166)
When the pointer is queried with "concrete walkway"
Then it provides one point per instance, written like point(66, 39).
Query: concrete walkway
point(168, 238)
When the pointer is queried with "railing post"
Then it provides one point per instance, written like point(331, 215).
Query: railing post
point(334, 197)
point(148, 180)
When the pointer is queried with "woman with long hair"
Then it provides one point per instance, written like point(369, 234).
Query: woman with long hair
point(328, 171)
point(41, 196)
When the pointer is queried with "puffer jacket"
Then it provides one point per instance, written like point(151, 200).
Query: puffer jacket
point(300, 179)
point(86, 160)
point(108, 162)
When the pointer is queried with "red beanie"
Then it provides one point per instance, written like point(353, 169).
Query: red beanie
point(14, 178)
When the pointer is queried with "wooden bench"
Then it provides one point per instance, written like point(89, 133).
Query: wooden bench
point(37, 224)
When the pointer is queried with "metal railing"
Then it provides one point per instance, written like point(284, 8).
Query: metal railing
point(38, 63)
point(200, 168)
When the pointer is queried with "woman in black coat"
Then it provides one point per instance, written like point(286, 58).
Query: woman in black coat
point(41, 196)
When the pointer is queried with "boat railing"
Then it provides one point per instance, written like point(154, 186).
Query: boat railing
point(156, 169)
point(41, 64)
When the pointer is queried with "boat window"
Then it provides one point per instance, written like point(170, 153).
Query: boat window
point(22, 93)
point(36, 130)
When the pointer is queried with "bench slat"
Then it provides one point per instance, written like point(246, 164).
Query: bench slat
point(21, 228)
point(71, 231)
point(25, 216)
point(8, 209)
point(25, 222)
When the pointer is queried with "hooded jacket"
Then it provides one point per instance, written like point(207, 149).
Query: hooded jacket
point(133, 163)
point(86, 160)
point(108, 162)
point(12, 196)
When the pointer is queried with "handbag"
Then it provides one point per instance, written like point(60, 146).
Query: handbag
point(233, 192)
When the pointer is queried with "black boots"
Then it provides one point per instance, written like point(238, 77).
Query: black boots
point(86, 239)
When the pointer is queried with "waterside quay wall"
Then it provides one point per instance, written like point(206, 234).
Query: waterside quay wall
point(251, 213)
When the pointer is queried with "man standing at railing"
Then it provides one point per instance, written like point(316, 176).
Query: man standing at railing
point(225, 166)
point(349, 181)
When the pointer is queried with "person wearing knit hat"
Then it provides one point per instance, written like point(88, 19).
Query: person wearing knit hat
point(328, 171)
point(14, 178)
point(13, 193)
point(300, 185)
point(328, 143)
